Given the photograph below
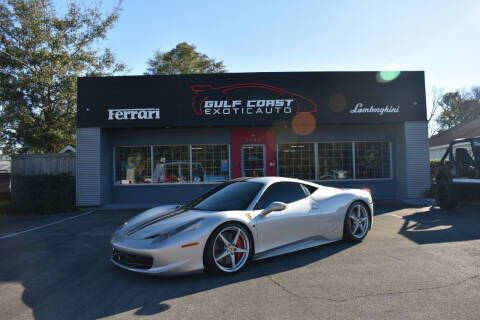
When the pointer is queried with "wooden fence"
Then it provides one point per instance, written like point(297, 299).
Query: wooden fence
point(50, 163)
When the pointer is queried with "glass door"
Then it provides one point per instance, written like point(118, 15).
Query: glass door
point(253, 160)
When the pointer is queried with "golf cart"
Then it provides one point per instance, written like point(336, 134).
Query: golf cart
point(458, 172)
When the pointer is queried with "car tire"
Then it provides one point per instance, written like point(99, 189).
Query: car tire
point(446, 195)
point(216, 247)
point(357, 222)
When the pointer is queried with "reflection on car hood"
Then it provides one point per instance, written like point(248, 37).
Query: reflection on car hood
point(158, 220)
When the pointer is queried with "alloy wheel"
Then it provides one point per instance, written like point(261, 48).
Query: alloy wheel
point(231, 249)
point(358, 221)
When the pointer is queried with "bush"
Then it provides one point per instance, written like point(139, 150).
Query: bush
point(43, 193)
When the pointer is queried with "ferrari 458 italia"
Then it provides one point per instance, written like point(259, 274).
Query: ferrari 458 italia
point(239, 220)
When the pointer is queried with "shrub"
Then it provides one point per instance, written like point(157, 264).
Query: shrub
point(43, 193)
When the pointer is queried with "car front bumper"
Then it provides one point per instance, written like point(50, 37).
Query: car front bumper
point(167, 258)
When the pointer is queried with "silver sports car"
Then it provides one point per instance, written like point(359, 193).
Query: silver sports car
point(243, 219)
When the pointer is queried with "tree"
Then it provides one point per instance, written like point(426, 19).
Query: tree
point(181, 60)
point(436, 95)
point(459, 107)
point(41, 56)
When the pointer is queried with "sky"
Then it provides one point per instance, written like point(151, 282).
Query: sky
point(440, 37)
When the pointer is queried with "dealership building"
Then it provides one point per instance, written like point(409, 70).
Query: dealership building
point(150, 140)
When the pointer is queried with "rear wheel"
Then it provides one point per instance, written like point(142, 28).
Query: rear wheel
point(446, 195)
point(228, 249)
point(357, 222)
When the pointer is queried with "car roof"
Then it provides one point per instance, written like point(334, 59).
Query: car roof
point(268, 180)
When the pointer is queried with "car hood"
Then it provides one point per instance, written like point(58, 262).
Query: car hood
point(158, 220)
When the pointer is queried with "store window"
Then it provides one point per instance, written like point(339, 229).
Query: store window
point(296, 160)
point(133, 165)
point(335, 161)
point(372, 160)
point(210, 163)
point(171, 164)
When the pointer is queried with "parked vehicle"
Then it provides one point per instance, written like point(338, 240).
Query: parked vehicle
point(179, 171)
point(458, 173)
point(239, 220)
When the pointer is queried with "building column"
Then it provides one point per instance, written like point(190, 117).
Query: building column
point(417, 162)
point(88, 167)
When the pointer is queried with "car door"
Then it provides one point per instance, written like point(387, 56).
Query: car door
point(328, 213)
point(280, 228)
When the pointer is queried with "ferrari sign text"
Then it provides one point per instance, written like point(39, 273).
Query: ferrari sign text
point(134, 114)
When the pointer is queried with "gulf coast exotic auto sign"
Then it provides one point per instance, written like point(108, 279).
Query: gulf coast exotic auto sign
point(249, 99)
point(240, 99)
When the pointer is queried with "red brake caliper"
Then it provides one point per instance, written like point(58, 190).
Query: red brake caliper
point(239, 244)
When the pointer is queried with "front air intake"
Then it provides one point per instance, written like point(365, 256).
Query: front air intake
point(132, 260)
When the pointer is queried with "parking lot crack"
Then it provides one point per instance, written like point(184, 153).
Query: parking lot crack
point(290, 292)
point(413, 290)
point(388, 293)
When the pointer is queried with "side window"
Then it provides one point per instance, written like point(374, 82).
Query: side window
point(310, 189)
point(286, 192)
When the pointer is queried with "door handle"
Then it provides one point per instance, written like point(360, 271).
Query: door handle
point(314, 207)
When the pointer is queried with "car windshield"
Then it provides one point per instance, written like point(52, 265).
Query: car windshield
point(233, 195)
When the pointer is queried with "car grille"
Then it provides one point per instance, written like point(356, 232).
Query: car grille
point(132, 260)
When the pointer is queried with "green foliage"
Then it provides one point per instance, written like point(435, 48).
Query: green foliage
point(41, 56)
point(43, 193)
point(458, 107)
point(183, 59)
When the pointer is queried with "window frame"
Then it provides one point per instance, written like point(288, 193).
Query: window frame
point(315, 155)
point(265, 189)
point(114, 163)
point(264, 147)
point(211, 144)
point(229, 147)
point(390, 164)
point(114, 150)
point(352, 142)
point(175, 161)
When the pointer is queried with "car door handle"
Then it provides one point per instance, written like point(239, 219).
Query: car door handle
point(314, 207)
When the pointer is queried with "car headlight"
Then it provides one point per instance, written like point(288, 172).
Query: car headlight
point(189, 226)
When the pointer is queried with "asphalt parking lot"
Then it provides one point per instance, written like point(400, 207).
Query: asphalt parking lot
point(416, 263)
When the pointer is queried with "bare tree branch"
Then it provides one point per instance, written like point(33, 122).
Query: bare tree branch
point(436, 96)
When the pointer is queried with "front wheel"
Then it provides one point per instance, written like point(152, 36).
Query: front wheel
point(446, 195)
point(228, 249)
point(357, 222)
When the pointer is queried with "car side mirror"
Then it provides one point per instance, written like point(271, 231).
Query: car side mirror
point(274, 206)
